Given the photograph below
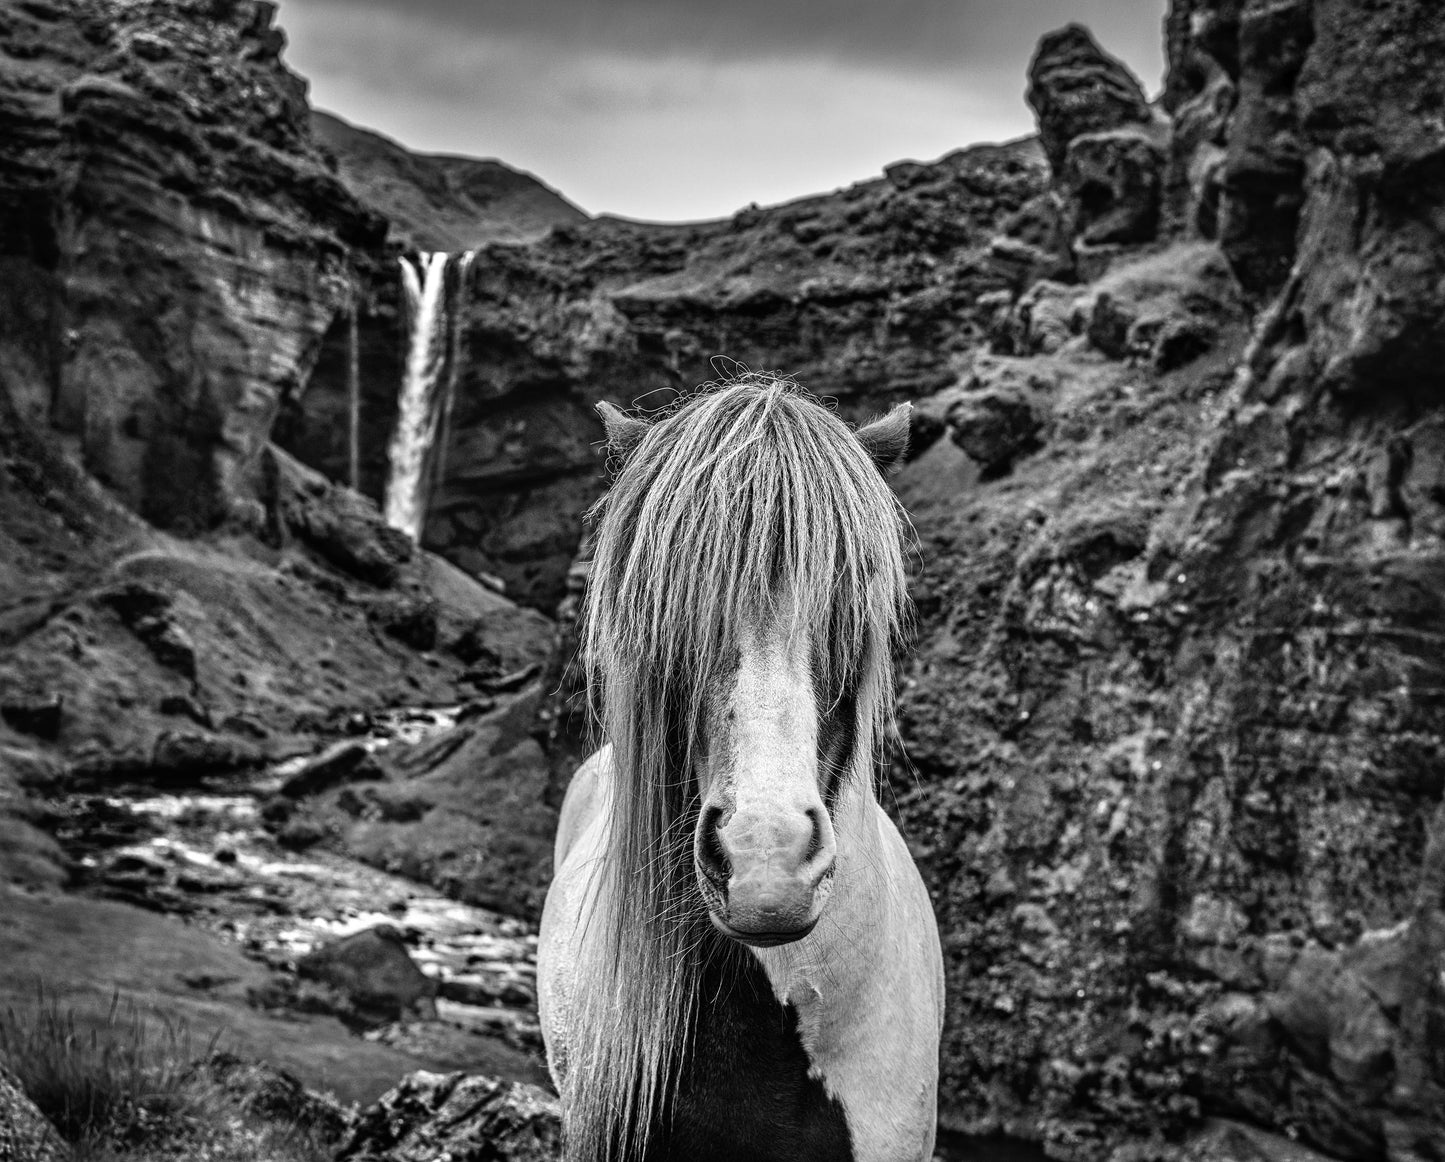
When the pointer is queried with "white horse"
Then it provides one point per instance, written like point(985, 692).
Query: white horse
point(738, 959)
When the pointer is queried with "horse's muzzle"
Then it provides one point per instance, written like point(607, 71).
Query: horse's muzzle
point(765, 878)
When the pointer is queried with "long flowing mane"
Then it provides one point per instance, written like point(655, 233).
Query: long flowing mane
point(749, 502)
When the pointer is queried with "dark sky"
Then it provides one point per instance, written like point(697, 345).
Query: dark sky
point(678, 109)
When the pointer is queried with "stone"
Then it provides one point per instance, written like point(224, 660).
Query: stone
point(375, 975)
point(343, 526)
point(181, 756)
point(1111, 183)
point(25, 1133)
point(1001, 411)
point(341, 763)
point(1045, 317)
point(41, 717)
point(1076, 88)
point(410, 620)
point(997, 426)
point(148, 612)
point(429, 1116)
point(1226, 1140)
point(264, 1091)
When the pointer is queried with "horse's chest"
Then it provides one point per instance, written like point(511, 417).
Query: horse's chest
point(746, 1095)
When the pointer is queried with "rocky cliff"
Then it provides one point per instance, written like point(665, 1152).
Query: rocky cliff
point(868, 295)
point(1174, 727)
point(174, 245)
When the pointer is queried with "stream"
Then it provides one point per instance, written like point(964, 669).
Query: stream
point(205, 854)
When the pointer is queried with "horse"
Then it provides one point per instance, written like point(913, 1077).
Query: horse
point(738, 960)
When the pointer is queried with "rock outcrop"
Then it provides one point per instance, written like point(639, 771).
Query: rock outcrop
point(432, 1115)
point(173, 268)
point(1174, 714)
point(1077, 90)
point(25, 1134)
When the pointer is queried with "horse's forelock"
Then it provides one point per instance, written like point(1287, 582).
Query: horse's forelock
point(751, 503)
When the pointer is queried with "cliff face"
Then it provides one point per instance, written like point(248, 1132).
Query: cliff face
point(174, 244)
point(1175, 716)
point(869, 295)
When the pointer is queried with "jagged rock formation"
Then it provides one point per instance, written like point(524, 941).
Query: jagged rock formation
point(173, 269)
point(1175, 714)
point(1076, 89)
point(433, 1115)
point(1103, 141)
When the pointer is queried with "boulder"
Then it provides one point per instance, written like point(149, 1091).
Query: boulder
point(1075, 87)
point(38, 716)
point(1001, 411)
point(1111, 183)
point(149, 612)
point(273, 1095)
point(464, 1118)
point(25, 1133)
point(997, 426)
point(341, 525)
point(343, 762)
point(374, 975)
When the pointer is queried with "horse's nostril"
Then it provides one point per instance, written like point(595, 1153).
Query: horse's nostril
point(815, 840)
point(710, 854)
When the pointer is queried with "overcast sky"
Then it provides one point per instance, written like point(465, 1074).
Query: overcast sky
point(678, 109)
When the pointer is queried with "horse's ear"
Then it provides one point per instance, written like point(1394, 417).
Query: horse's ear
point(886, 438)
point(624, 432)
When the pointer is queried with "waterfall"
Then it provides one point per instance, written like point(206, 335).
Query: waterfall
point(454, 365)
point(416, 412)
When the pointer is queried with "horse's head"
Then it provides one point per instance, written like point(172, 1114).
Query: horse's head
point(768, 773)
point(756, 577)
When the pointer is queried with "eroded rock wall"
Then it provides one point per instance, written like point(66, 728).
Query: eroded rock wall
point(173, 242)
point(1175, 716)
point(869, 295)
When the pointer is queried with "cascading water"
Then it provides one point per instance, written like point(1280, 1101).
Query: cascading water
point(454, 365)
point(416, 418)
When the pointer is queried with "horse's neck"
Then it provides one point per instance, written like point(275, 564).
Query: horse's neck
point(867, 986)
point(841, 956)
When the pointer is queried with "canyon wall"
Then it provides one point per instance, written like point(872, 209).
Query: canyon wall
point(1174, 730)
point(174, 245)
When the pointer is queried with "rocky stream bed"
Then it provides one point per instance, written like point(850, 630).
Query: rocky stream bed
point(209, 854)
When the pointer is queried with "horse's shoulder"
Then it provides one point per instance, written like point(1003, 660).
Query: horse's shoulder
point(580, 804)
point(558, 945)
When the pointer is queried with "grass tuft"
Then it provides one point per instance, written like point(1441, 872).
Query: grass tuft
point(134, 1087)
point(123, 1082)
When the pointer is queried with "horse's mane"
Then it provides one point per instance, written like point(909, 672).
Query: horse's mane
point(750, 502)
